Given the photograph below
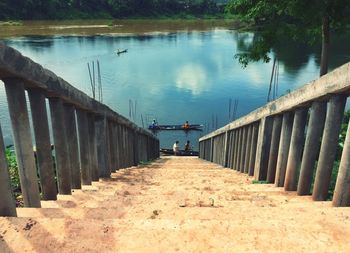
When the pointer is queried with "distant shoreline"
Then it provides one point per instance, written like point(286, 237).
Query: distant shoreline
point(111, 27)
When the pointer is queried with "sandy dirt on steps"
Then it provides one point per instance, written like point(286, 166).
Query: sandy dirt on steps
point(178, 205)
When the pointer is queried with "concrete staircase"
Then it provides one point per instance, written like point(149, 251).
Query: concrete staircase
point(178, 204)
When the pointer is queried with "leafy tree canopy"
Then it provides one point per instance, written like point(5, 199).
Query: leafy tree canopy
point(300, 20)
point(63, 9)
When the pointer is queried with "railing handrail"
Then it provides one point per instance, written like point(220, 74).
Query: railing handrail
point(337, 81)
point(14, 65)
point(90, 140)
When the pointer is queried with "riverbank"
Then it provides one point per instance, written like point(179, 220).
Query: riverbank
point(111, 27)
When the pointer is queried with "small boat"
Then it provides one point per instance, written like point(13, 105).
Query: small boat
point(166, 151)
point(195, 127)
point(121, 51)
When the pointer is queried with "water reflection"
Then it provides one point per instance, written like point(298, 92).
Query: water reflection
point(174, 76)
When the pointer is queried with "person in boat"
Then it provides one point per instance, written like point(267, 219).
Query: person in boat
point(188, 146)
point(186, 125)
point(154, 124)
point(176, 148)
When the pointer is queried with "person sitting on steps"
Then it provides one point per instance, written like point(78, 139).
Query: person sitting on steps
point(188, 146)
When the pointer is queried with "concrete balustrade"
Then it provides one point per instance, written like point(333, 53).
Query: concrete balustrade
point(92, 147)
point(23, 142)
point(73, 145)
point(283, 141)
point(84, 144)
point(236, 149)
point(275, 141)
point(239, 150)
point(43, 146)
point(263, 148)
point(312, 146)
point(243, 149)
point(63, 168)
point(248, 148)
point(295, 150)
point(334, 118)
point(283, 150)
point(230, 147)
point(342, 188)
point(89, 139)
point(253, 145)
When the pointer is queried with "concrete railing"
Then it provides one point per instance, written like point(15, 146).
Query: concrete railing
point(90, 139)
point(284, 141)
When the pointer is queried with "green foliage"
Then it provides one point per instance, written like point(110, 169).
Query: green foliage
point(14, 176)
point(56, 9)
point(11, 23)
point(333, 179)
point(259, 182)
point(146, 163)
point(343, 130)
point(298, 20)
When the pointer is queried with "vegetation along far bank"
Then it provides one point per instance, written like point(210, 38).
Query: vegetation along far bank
point(92, 9)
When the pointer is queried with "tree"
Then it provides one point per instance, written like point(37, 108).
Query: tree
point(300, 20)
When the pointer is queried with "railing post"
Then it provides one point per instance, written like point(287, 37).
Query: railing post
point(239, 149)
point(334, 117)
point(72, 143)
point(119, 145)
point(124, 151)
point(243, 151)
point(235, 149)
point(296, 149)
point(283, 150)
point(128, 146)
point(43, 145)
point(248, 148)
point(229, 146)
point(23, 142)
point(116, 146)
point(136, 148)
point(92, 146)
point(61, 147)
point(312, 146)
point(263, 148)
point(7, 202)
point(84, 147)
point(211, 159)
point(342, 188)
point(275, 141)
point(111, 142)
point(253, 149)
point(101, 145)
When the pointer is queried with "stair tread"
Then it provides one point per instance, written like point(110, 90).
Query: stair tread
point(178, 205)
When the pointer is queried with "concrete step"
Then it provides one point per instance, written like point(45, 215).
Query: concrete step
point(153, 235)
point(115, 202)
point(202, 211)
point(178, 205)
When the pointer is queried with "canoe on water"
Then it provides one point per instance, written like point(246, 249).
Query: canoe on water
point(121, 51)
point(195, 127)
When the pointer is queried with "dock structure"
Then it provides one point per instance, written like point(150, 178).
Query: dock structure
point(101, 186)
point(291, 139)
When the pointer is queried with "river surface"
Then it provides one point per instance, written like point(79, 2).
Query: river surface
point(172, 71)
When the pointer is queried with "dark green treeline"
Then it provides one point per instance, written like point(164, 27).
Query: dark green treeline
point(69, 9)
